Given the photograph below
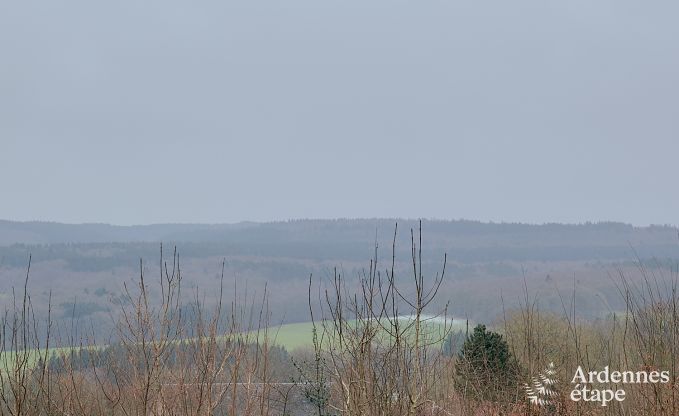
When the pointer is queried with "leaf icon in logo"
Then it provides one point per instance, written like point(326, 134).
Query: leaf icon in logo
point(541, 389)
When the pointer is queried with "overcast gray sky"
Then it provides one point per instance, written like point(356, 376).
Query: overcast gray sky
point(151, 111)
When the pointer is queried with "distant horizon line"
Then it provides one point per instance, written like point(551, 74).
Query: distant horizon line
point(328, 219)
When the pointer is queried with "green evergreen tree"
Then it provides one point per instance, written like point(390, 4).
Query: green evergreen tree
point(486, 369)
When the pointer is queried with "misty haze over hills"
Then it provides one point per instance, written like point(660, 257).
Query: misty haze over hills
point(166, 111)
point(90, 262)
point(609, 237)
point(466, 241)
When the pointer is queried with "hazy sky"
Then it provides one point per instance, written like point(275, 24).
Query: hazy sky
point(150, 111)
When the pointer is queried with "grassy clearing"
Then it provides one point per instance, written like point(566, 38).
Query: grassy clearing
point(299, 335)
point(32, 356)
point(289, 336)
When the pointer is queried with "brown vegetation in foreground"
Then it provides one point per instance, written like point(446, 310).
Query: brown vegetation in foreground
point(167, 358)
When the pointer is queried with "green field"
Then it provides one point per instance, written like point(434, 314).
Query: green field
point(300, 335)
point(288, 336)
point(8, 358)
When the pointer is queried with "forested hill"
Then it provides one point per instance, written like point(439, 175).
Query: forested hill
point(90, 262)
point(351, 238)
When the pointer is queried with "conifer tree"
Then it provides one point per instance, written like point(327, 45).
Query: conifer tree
point(486, 369)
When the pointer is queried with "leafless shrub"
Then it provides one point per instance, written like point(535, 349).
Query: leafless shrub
point(374, 346)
